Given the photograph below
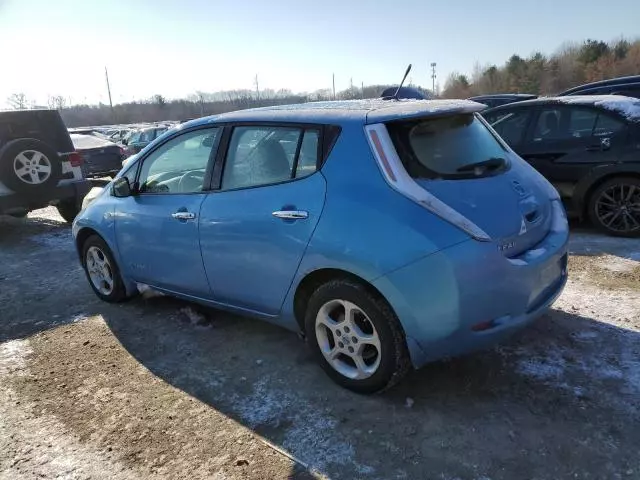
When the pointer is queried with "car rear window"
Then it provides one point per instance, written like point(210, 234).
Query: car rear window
point(448, 147)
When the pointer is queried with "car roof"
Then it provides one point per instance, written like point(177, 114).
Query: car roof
point(626, 106)
point(603, 83)
point(341, 112)
point(503, 95)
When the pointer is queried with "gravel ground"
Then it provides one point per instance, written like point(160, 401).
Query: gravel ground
point(158, 388)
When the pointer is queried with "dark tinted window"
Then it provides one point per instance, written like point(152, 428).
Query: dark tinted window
point(607, 125)
point(629, 91)
point(446, 147)
point(563, 123)
point(510, 125)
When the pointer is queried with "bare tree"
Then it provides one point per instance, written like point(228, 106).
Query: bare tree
point(57, 102)
point(18, 101)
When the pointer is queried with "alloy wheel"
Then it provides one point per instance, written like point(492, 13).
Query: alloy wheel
point(618, 208)
point(100, 270)
point(348, 339)
point(32, 167)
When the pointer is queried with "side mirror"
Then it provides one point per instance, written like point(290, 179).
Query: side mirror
point(121, 187)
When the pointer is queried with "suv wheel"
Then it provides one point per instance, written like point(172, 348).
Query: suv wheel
point(102, 271)
point(29, 166)
point(356, 337)
point(68, 209)
point(614, 207)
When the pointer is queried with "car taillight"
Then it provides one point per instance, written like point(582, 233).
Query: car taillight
point(123, 152)
point(75, 159)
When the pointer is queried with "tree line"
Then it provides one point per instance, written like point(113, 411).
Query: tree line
point(573, 64)
point(158, 108)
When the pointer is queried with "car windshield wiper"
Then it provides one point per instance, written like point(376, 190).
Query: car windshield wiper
point(492, 163)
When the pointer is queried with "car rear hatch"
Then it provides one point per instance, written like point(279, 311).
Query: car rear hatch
point(455, 158)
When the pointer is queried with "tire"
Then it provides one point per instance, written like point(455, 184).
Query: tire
point(614, 207)
point(16, 156)
point(94, 245)
point(68, 209)
point(381, 370)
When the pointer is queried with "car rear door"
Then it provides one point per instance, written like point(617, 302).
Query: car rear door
point(255, 228)
point(157, 228)
point(566, 141)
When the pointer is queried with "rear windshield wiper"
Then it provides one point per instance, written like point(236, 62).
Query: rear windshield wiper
point(492, 163)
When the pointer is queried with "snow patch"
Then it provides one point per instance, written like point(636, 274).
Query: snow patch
point(309, 436)
point(13, 356)
point(625, 106)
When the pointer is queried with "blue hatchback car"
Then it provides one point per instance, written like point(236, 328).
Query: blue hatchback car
point(390, 233)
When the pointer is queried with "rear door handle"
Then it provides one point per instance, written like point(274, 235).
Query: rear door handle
point(183, 215)
point(291, 214)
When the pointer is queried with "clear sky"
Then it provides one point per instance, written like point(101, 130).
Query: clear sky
point(60, 47)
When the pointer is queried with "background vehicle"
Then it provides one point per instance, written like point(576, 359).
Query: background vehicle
point(136, 140)
point(100, 157)
point(587, 147)
point(626, 86)
point(382, 230)
point(38, 164)
point(502, 98)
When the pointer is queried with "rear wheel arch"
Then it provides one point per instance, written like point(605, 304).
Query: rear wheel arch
point(315, 279)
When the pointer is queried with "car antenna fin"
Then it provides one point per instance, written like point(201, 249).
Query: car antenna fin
point(406, 73)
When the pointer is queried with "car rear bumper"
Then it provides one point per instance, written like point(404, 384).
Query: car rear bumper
point(470, 296)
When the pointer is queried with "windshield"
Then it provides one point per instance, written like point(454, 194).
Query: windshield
point(448, 147)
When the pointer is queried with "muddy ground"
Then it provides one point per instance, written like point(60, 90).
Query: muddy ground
point(156, 388)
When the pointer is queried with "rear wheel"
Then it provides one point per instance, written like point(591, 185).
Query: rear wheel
point(102, 271)
point(68, 209)
point(356, 337)
point(614, 207)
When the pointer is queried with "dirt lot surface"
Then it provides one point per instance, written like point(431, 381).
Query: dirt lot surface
point(157, 388)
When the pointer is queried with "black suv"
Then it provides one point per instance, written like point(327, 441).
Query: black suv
point(627, 86)
point(497, 99)
point(38, 164)
point(588, 147)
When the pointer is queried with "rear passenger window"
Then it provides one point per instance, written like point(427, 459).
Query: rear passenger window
point(308, 160)
point(606, 125)
point(564, 123)
point(267, 155)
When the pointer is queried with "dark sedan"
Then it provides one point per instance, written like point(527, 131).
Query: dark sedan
point(101, 157)
point(588, 147)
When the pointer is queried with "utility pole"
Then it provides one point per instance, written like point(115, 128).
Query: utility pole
point(106, 74)
point(362, 85)
point(333, 77)
point(257, 88)
point(433, 77)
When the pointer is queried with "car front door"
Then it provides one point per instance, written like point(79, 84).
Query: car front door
point(157, 227)
point(255, 228)
point(567, 141)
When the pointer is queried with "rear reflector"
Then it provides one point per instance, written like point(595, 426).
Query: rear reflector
point(482, 326)
point(75, 159)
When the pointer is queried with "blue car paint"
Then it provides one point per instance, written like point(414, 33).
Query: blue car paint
point(437, 279)
point(238, 233)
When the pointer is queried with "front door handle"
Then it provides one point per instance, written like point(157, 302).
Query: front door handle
point(183, 215)
point(290, 214)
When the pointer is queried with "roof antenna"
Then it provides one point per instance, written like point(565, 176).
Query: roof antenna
point(395, 95)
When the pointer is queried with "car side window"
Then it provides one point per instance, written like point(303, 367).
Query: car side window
point(261, 155)
point(510, 125)
point(607, 125)
point(179, 165)
point(146, 136)
point(564, 123)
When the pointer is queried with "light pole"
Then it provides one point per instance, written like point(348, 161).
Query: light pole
point(433, 77)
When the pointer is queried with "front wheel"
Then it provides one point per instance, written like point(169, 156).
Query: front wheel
point(102, 271)
point(614, 207)
point(356, 337)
